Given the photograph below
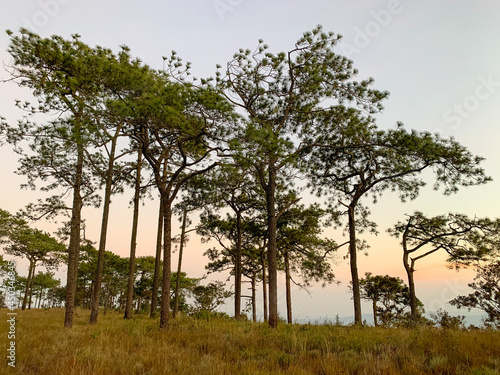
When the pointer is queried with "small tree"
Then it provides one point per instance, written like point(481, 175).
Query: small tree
point(185, 290)
point(302, 248)
point(42, 283)
point(389, 296)
point(209, 297)
point(447, 321)
point(486, 295)
point(37, 247)
point(464, 240)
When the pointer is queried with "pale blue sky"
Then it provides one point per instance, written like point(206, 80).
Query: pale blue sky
point(440, 60)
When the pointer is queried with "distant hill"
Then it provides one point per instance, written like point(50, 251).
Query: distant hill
point(474, 319)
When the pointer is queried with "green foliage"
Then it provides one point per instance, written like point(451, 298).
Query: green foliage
point(465, 240)
point(359, 159)
point(224, 232)
point(186, 286)
point(70, 81)
point(208, 315)
point(283, 97)
point(299, 235)
point(447, 321)
point(486, 295)
point(46, 287)
point(114, 279)
point(389, 295)
point(36, 246)
point(23, 241)
point(209, 297)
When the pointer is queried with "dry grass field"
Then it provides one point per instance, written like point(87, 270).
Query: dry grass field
point(223, 346)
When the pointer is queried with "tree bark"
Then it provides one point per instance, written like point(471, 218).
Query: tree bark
point(264, 286)
point(179, 263)
point(156, 276)
point(94, 311)
point(272, 246)
point(354, 265)
point(254, 305)
point(106, 300)
point(237, 268)
point(288, 289)
point(74, 241)
point(133, 240)
point(91, 294)
point(28, 283)
point(374, 304)
point(167, 253)
point(139, 299)
point(31, 290)
point(411, 283)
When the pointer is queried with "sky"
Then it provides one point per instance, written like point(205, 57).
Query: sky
point(440, 61)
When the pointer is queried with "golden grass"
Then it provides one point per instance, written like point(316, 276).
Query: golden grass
point(222, 346)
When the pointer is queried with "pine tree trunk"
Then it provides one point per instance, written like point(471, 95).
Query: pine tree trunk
point(94, 311)
point(179, 263)
point(411, 284)
point(31, 287)
point(288, 289)
point(106, 300)
point(354, 266)
point(264, 286)
point(167, 253)
point(272, 253)
point(375, 320)
point(254, 292)
point(133, 240)
point(91, 294)
point(156, 276)
point(74, 241)
point(28, 283)
point(237, 269)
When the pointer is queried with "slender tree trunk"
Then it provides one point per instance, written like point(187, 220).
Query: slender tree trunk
point(167, 253)
point(31, 286)
point(288, 289)
point(411, 284)
point(179, 263)
point(254, 304)
point(31, 290)
point(272, 247)
point(28, 284)
point(91, 294)
point(94, 311)
point(264, 286)
point(353, 255)
point(74, 241)
point(106, 299)
point(139, 299)
point(156, 276)
point(133, 240)
point(374, 304)
point(237, 269)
